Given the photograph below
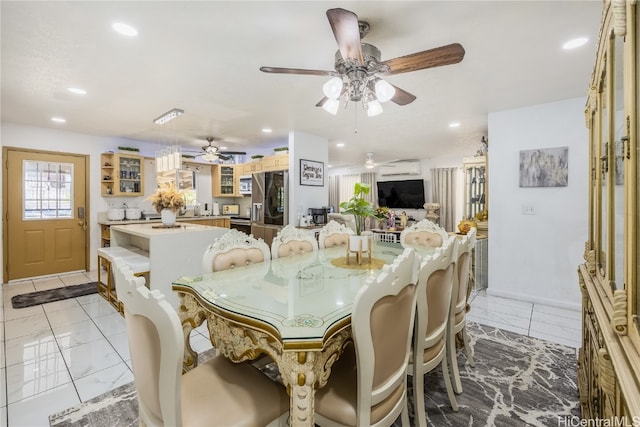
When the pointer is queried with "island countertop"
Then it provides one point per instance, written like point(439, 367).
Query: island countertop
point(157, 229)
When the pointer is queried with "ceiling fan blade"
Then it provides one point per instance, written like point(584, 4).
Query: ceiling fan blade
point(402, 97)
point(279, 70)
point(439, 56)
point(345, 28)
point(322, 101)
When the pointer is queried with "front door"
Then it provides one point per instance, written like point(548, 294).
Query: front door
point(45, 216)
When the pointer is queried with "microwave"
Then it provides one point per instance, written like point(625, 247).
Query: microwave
point(245, 184)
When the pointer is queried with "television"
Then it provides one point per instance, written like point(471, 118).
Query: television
point(406, 194)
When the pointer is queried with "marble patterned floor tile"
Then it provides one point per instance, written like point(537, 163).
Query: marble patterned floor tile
point(103, 381)
point(71, 315)
point(35, 411)
point(200, 343)
point(11, 313)
point(516, 319)
point(99, 308)
point(111, 324)
point(574, 341)
point(26, 326)
point(77, 334)
point(48, 283)
point(3, 390)
point(13, 289)
point(496, 324)
point(502, 305)
point(121, 344)
point(90, 358)
point(28, 348)
point(89, 299)
point(562, 331)
point(557, 311)
point(27, 380)
point(566, 324)
point(74, 279)
point(64, 304)
point(3, 416)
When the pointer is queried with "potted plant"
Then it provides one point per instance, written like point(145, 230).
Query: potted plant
point(281, 150)
point(257, 157)
point(358, 206)
point(129, 149)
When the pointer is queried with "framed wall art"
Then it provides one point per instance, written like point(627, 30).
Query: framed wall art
point(311, 173)
point(544, 167)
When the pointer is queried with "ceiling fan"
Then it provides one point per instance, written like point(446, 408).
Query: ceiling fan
point(212, 153)
point(370, 163)
point(358, 67)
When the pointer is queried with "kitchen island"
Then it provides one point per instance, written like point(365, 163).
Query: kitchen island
point(173, 252)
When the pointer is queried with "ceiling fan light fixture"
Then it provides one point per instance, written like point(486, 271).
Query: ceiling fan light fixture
point(210, 157)
point(384, 90)
point(333, 88)
point(374, 108)
point(331, 106)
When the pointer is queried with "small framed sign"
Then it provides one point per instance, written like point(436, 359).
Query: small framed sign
point(311, 173)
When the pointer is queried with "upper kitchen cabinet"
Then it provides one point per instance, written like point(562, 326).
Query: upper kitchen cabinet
point(251, 167)
point(121, 174)
point(475, 187)
point(225, 180)
point(277, 162)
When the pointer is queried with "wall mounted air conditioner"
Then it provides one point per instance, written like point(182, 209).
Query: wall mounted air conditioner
point(401, 167)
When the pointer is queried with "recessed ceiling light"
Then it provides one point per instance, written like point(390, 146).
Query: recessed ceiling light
point(58, 120)
point(267, 130)
point(223, 147)
point(454, 124)
point(329, 166)
point(577, 42)
point(124, 29)
point(77, 90)
point(340, 144)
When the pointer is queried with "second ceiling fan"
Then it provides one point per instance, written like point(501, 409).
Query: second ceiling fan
point(358, 67)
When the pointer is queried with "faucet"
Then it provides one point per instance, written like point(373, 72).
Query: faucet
point(124, 206)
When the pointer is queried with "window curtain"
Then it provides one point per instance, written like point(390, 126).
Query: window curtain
point(345, 187)
point(443, 188)
point(370, 178)
point(334, 192)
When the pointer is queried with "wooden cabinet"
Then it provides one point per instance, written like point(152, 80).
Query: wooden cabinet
point(215, 222)
point(121, 174)
point(251, 167)
point(275, 163)
point(105, 235)
point(225, 181)
point(609, 359)
point(475, 186)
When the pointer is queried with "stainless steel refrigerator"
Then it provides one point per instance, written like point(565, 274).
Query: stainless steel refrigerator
point(269, 208)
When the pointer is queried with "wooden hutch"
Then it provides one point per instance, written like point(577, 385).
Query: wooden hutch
point(609, 360)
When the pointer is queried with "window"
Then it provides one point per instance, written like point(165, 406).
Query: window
point(47, 190)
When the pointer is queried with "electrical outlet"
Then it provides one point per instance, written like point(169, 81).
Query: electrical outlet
point(528, 210)
point(111, 204)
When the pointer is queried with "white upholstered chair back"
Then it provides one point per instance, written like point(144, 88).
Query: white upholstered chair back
point(457, 315)
point(348, 220)
point(218, 392)
point(292, 240)
point(435, 288)
point(234, 249)
point(334, 234)
point(382, 324)
point(423, 233)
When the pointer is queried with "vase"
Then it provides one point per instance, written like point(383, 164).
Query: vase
point(168, 217)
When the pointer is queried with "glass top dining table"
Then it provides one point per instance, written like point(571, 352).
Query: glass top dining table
point(295, 309)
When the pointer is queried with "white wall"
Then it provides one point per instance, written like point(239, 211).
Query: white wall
point(535, 257)
point(302, 197)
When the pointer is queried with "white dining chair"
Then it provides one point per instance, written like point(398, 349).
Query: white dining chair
point(435, 287)
point(334, 234)
point(217, 392)
point(234, 249)
point(458, 312)
point(423, 233)
point(368, 383)
point(292, 240)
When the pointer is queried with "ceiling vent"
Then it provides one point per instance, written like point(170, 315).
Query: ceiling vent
point(401, 167)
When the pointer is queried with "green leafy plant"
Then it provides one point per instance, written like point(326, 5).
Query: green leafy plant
point(277, 149)
point(257, 156)
point(129, 149)
point(358, 206)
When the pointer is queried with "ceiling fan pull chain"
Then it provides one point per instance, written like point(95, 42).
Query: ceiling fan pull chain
point(356, 118)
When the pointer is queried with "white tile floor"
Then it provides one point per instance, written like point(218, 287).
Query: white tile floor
point(57, 355)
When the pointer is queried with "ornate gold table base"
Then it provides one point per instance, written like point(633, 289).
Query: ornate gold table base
point(302, 370)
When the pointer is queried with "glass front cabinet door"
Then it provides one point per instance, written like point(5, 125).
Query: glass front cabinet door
point(609, 358)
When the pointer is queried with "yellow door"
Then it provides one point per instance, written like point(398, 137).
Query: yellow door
point(45, 223)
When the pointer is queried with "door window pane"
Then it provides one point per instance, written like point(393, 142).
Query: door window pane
point(47, 190)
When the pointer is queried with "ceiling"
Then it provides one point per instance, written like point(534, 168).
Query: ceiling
point(204, 57)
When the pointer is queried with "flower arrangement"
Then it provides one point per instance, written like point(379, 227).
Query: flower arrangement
point(167, 198)
point(382, 213)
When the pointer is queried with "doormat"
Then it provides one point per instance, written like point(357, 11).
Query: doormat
point(51, 295)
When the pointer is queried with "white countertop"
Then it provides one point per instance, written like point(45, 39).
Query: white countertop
point(148, 230)
point(157, 221)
